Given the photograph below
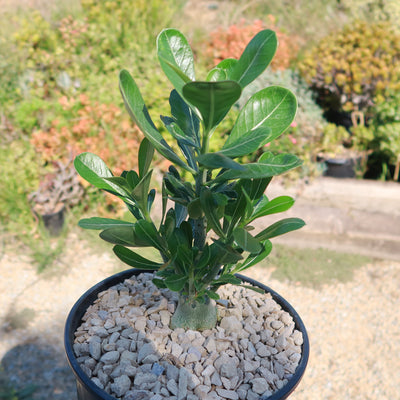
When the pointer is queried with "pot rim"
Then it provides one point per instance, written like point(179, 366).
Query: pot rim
point(75, 317)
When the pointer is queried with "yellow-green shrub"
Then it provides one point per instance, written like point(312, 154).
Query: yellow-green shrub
point(350, 68)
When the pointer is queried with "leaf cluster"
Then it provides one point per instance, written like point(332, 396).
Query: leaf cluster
point(206, 236)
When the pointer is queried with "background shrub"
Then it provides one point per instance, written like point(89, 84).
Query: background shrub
point(231, 42)
point(374, 11)
point(350, 68)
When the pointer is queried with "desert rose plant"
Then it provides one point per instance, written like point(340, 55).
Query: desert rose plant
point(204, 234)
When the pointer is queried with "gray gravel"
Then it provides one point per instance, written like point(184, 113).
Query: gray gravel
point(354, 327)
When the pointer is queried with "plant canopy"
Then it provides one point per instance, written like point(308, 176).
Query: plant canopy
point(206, 236)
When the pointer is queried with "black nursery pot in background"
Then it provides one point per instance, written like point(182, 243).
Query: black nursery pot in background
point(340, 167)
point(87, 390)
point(54, 222)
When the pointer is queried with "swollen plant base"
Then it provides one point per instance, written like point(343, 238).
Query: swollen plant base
point(126, 347)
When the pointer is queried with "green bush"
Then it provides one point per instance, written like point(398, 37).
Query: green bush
point(386, 122)
point(374, 11)
point(349, 69)
point(20, 177)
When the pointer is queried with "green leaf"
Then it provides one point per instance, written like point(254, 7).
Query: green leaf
point(218, 160)
point(148, 233)
point(273, 107)
point(141, 191)
point(228, 65)
point(247, 143)
point(237, 209)
point(138, 111)
point(258, 187)
point(120, 182)
point(146, 152)
point(209, 206)
point(212, 99)
point(222, 254)
point(123, 235)
point(132, 178)
point(216, 74)
point(103, 223)
point(135, 260)
point(254, 259)
point(175, 57)
point(281, 227)
point(228, 278)
point(255, 58)
point(185, 117)
point(269, 166)
point(194, 209)
point(177, 133)
point(212, 295)
point(92, 168)
point(246, 241)
point(266, 207)
point(176, 282)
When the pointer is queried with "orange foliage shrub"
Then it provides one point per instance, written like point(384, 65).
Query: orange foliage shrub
point(230, 43)
point(102, 129)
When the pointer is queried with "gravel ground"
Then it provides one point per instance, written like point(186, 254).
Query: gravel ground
point(354, 327)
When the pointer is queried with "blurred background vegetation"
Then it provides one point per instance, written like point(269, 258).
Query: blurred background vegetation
point(59, 95)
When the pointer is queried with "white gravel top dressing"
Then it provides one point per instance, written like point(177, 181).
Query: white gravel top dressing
point(126, 347)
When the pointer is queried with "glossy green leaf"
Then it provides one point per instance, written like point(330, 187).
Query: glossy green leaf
point(123, 235)
point(228, 65)
point(120, 182)
point(267, 207)
point(212, 99)
point(146, 152)
point(92, 168)
point(149, 234)
point(141, 191)
point(99, 223)
point(132, 178)
point(177, 133)
point(246, 241)
point(247, 143)
point(218, 160)
point(176, 282)
point(135, 260)
point(209, 207)
point(258, 187)
point(281, 227)
point(185, 117)
point(255, 58)
point(138, 111)
point(175, 57)
point(228, 278)
point(236, 210)
point(269, 166)
point(216, 74)
point(222, 254)
point(254, 259)
point(194, 209)
point(212, 295)
point(273, 107)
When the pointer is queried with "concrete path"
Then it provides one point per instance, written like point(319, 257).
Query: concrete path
point(349, 215)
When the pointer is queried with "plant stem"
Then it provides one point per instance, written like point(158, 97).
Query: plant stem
point(191, 314)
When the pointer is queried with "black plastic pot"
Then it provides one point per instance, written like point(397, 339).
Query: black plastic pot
point(87, 390)
point(54, 222)
point(340, 167)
